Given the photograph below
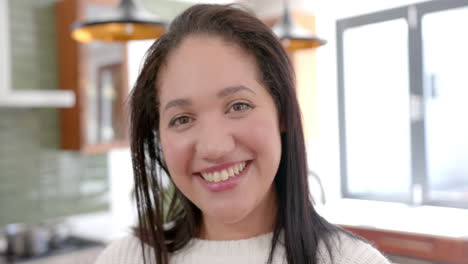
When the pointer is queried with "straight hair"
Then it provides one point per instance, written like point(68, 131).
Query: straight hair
point(167, 220)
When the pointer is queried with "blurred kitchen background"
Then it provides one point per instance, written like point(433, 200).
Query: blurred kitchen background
point(383, 89)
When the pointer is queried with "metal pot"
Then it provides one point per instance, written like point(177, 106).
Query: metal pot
point(27, 240)
point(3, 241)
point(59, 233)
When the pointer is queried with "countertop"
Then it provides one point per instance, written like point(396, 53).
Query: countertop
point(426, 220)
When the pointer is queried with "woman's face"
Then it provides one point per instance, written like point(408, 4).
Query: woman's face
point(219, 129)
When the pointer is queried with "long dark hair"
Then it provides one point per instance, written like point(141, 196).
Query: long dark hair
point(167, 219)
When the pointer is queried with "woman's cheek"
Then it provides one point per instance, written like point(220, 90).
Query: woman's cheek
point(176, 151)
point(262, 130)
point(264, 137)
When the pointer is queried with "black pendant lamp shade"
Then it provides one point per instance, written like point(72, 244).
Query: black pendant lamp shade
point(128, 21)
point(293, 36)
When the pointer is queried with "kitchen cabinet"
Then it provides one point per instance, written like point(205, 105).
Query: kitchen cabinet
point(425, 247)
point(97, 73)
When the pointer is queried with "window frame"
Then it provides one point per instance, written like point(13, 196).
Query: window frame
point(413, 14)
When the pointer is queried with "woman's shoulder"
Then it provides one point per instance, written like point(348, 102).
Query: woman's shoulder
point(126, 250)
point(349, 249)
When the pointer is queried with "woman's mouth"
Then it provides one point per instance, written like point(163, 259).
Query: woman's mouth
point(226, 178)
point(225, 174)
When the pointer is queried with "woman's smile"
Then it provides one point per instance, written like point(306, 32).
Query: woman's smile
point(224, 177)
point(222, 172)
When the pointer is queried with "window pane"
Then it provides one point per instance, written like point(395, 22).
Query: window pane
point(446, 86)
point(377, 110)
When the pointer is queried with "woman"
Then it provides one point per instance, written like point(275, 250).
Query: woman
point(215, 109)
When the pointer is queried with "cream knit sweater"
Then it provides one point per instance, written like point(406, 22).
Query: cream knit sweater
point(247, 251)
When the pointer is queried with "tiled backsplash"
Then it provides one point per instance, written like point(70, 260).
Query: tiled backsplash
point(33, 44)
point(37, 179)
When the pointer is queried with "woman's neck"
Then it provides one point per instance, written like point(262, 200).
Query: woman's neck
point(259, 221)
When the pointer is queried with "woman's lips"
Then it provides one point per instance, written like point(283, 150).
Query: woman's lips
point(219, 167)
point(227, 184)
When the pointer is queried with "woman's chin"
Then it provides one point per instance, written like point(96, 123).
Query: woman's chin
point(226, 215)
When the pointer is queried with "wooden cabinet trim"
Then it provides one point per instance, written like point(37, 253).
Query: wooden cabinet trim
point(72, 75)
point(442, 249)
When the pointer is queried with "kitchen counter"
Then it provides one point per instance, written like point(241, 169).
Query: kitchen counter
point(103, 227)
point(435, 234)
point(425, 220)
point(72, 250)
point(85, 256)
point(446, 223)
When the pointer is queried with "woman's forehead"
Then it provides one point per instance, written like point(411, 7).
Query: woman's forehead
point(205, 64)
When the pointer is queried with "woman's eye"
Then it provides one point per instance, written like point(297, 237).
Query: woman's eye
point(240, 107)
point(179, 121)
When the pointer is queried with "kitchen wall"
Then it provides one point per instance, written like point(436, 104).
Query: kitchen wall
point(38, 180)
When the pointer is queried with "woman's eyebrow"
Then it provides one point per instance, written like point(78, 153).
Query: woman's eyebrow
point(233, 89)
point(227, 91)
point(177, 102)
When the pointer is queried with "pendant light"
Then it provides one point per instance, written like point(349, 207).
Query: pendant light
point(293, 36)
point(128, 21)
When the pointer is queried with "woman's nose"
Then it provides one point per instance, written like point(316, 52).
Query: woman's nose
point(215, 141)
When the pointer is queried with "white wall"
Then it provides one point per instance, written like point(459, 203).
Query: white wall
point(123, 208)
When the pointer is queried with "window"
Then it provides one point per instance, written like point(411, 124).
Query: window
point(403, 104)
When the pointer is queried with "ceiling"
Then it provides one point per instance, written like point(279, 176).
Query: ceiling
point(263, 8)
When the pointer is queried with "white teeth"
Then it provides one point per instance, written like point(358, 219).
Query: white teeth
point(223, 175)
point(236, 169)
point(208, 176)
point(231, 172)
point(216, 176)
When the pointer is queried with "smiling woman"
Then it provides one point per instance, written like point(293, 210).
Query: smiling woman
point(228, 123)
point(215, 109)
